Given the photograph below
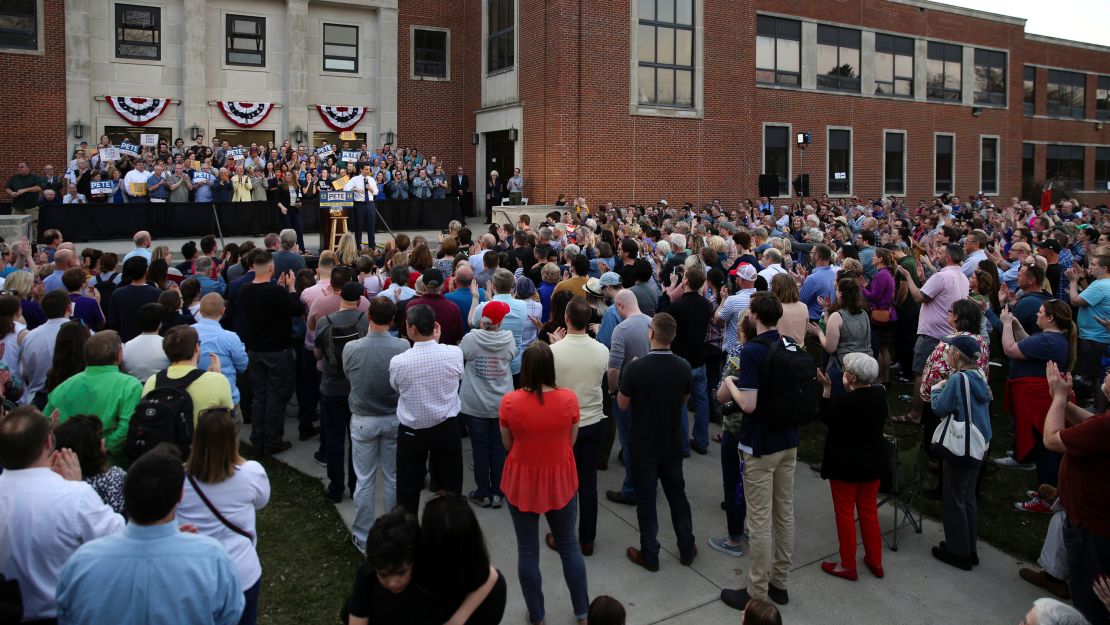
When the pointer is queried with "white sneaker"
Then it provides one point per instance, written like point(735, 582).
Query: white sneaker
point(1008, 462)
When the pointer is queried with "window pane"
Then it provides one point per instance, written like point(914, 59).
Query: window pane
point(684, 88)
point(645, 43)
point(884, 66)
point(344, 34)
point(664, 87)
point(666, 10)
point(646, 79)
point(903, 87)
point(765, 53)
point(341, 65)
point(903, 65)
point(826, 60)
point(789, 59)
point(684, 11)
point(664, 45)
point(684, 47)
point(776, 136)
point(952, 74)
point(331, 50)
point(849, 62)
point(647, 9)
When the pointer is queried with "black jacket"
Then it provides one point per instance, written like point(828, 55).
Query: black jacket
point(854, 447)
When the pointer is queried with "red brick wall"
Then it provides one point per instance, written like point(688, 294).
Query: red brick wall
point(34, 127)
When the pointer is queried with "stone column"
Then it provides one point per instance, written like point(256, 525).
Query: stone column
point(79, 97)
point(809, 55)
point(967, 89)
point(920, 69)
point(386, 103)
point(867, 62)
point(194, 92)
point(296, 101)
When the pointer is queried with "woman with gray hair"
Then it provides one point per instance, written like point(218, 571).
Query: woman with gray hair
point(855, 461)
point(1053, 612)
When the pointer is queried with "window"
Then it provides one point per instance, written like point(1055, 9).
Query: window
point(776, 155)
point(1064, 165)
point(1030, 85)
point(894, 163)
point(1102, 98)
point(246, 40)
point(840, 162)
point(944, 152)
point(340, 48)
point(893, 65)
point(1028, 152)
point(944, 80)
point(988, 165)
point(778, 51)
point(1102, 169)
point(1066, 94)
point(837, 58)
point(429, 53)
point(138, 32)
point(19, 24)
point(501, 38)
point(665, 53)
point(245, 136)
point(990, 77)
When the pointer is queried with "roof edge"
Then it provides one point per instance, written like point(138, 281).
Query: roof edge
point(948, 8)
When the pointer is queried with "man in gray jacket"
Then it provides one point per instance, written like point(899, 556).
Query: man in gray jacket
point(488, 355)
point(373, 405)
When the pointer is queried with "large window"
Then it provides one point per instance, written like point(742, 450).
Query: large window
point(19, 24)
point(1064, 165)
point(840, 161)
point(1028, 160)
point(246, 40)
point(893, 65)
point(944, 163)
point(1102, 98)
point(1102, 169)
point(340, 48)
point(988, 165)
point(778, 51)
point(429, 53)
point(776, 155)
point(1029, 84)
point(665, 52)
point(501, 36)
point(1066, 93)
point(944, 80)
point(837, 58)
point(138, 32)
point(894, 163)
point(990, 77)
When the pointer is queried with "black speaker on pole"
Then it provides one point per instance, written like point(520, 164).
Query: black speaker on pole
point(801, 185)
point(768, 185)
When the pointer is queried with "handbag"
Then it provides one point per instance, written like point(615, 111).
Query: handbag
point(951, 442)
point(880, 317)
point(219, 517)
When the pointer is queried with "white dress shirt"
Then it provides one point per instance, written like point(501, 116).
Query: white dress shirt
point(44, 518)
point(143, 356)
point(364, 187)
point(37, 355)
point(427, 379)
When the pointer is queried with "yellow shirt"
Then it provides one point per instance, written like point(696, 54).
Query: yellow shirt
point(210, 390)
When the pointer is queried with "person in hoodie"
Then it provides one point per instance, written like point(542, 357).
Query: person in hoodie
point(950, 397)
point(488, 353)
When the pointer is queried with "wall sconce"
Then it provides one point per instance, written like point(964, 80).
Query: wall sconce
point(195, 132)
point(513, 134)
point(78, 129)
point(475, 138)
point(298, 134)
point(976, 111)
point(1098, 125)
point(389, 137)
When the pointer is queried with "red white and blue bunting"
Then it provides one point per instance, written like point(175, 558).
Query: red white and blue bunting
point(137, 111)
point(246, 114)
point(341, 117)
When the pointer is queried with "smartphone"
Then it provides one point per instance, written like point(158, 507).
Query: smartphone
point(680, 271)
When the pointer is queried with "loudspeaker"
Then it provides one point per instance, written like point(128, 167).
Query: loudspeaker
point(801, 185)
point(768, 185)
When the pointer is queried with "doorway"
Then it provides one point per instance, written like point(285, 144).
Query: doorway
point(500, 156)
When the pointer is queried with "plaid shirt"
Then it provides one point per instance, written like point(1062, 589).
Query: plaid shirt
point(427, 379)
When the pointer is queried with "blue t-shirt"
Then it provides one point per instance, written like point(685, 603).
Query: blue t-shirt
point(1038, 350)
point(1097, 296)
point(755, 434)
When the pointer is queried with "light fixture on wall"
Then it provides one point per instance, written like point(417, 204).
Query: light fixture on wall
point(513, 134)
point(195, 131)
point(976, 111)
point(298, 134)
point(475, 138)
point(78, 128)
point(1098, 125)
point(389, 137)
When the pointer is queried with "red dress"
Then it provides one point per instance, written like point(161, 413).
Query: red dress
point(539, 474)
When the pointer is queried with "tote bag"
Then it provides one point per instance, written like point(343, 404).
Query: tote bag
point(959, 440)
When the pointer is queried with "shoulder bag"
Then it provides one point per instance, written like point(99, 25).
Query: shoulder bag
point(951, 442)
point(221, 518)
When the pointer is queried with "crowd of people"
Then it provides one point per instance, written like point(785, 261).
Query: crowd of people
point(126, 381)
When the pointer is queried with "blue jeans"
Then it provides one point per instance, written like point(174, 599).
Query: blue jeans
point(250, 606)
point(1088, 558)
point(668, 471)
point(337, 423)
point(624, 427)
point(732, 476)
point(561, 522)
point(365, 220)
point(701, 413)
point(489, 454)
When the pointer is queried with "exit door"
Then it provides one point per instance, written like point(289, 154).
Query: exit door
point(500, 154)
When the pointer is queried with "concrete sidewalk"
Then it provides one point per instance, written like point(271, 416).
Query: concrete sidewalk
point(916, 590)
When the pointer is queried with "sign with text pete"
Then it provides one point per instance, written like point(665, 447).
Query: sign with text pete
point(101, 187)
point(336, 199)
point(325, 151)
point(129, 149)
point(237, 153)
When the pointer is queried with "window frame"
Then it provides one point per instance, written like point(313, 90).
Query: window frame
point(1029, 90)
point(1075, 84)
point(1102, 155)
point(829, 130)
point(156, 29)
point(1072, 184)
point(952, 166)
point(1102, 97)
point(325, 57)
point(674, 67)
point(839, 33)
point(886, 152)
point(35, 33)
point(997, 171)
point(776, 21)
point(446, 53)
point(506, 32)
point(946, 50)
point(230, 36)
point(895, 40)
point(989, 57)
point(789, 155)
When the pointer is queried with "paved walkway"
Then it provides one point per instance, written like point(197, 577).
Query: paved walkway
point(917, 589)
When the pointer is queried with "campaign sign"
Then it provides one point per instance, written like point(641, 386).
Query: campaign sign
point(351, 156)
point(129, 149)
point(336, 199)
point(237, 153)
point(109, 154)
point(199, 176)
point(151, 140)
point(325, 151)
point(101, 187)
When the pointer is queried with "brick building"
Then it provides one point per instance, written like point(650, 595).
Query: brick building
point(629, 100)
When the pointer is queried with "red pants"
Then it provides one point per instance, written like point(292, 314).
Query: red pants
point(849, 498)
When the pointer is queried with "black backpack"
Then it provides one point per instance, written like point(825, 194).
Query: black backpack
point(106, 287)
point(335, 337)
point(789, 390)
point(165, 415)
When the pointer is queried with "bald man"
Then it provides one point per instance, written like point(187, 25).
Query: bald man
point(630, 341)
point(460, 295)
point(63, 259)
point(223, 343)
point(142, 246)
